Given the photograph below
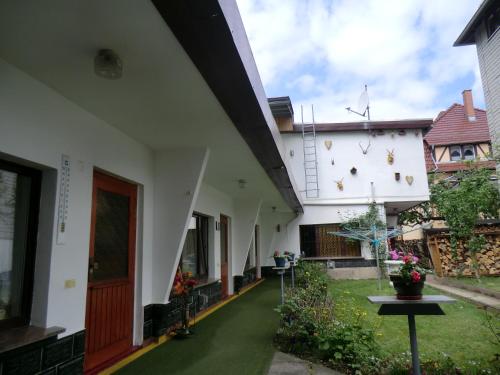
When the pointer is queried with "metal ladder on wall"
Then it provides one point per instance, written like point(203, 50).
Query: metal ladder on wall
point(310, 156)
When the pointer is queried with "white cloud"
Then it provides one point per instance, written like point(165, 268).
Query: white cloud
point(323, 52)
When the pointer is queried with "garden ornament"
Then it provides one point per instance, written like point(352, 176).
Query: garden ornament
point(365, 150)
point(340, 184)
point(390, 156)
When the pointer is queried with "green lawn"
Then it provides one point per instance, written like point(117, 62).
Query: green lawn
point(461, 333)
point(235, 340)
point(487, 282)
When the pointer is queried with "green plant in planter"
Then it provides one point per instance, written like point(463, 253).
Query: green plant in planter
point(409, 280)
point(280, 259)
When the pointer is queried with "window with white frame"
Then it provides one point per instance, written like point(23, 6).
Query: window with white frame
point(455, 153)
point(468, 152)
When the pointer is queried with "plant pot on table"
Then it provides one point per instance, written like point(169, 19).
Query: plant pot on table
point(407, 289)
point(280, 261)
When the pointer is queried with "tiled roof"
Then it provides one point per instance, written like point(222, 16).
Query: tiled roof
point(452, 127)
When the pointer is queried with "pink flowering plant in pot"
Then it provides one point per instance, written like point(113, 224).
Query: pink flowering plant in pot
point(409, 279)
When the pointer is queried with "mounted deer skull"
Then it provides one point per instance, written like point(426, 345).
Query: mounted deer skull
point(365, 150)
point(340, 184)
point(390, 156)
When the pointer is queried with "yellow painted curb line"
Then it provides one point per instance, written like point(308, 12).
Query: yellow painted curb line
point(163, 339)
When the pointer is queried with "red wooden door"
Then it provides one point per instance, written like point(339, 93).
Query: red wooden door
point(110, 290)
point(224, 261)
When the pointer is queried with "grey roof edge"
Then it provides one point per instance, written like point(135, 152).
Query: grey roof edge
point(466, 37)
point(212, 34)
point(369, 125)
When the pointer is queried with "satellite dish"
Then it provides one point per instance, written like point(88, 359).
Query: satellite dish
point(363, 102)
point(363, 105)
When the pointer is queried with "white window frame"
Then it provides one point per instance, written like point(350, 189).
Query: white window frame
point(453, 149)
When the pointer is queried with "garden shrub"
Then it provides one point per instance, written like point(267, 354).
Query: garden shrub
point(309, 326)
point(335, 332)
point(442, 364)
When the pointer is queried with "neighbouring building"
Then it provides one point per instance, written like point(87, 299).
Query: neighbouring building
point(459, 134)
point(340, 168)
point(483, 31)
point(136, 137)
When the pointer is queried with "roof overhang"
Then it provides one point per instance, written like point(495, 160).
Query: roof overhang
point(281, 106)
point(368, 125)
point(212, 34)
point(467, 36)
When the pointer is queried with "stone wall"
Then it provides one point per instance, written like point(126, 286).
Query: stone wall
point(47, 357)
point(446, 264)
point(160, 319)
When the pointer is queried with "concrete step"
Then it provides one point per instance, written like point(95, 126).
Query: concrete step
point(353, 273)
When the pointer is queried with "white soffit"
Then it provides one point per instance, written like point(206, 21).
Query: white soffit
point(161, 100)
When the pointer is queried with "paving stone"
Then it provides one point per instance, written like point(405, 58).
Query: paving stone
point(286, 364)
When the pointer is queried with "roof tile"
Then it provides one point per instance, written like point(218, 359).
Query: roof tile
point(452, 127)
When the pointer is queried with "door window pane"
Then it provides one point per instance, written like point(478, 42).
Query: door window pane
point(15, 193)
point(111, 236)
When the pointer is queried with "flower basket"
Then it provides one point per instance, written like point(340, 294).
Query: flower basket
point(406, 289)
point(290, 256)
point(280, 261)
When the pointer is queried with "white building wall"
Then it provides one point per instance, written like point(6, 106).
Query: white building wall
point(174, 200)
point(334, 164)
point(213, 203)
point(346, 153)
point(39, 125)
point(488, 52)
point(289, 236)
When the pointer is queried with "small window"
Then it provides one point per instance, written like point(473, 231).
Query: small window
point(19, 201)
point(469, 153)
point(194, 257)
point(493, 22)
point(455, 153)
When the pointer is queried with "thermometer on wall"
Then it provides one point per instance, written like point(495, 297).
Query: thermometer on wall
point(62, 210)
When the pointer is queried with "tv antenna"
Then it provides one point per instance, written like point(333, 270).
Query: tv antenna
point(363, 105)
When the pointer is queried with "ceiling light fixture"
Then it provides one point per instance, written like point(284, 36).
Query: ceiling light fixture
point(107, 64)
point(242, 183)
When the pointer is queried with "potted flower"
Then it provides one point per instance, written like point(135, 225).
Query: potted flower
point(290, 256)
point(409, 279)
point(183, 285)
point(279, 259)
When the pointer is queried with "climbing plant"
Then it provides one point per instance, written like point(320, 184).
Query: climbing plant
point(461, 200)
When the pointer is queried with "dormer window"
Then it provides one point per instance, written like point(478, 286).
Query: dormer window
point(462, 152)
point(469, 153)
point(455, 153)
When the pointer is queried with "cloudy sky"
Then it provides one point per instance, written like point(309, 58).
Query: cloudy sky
point(323, 52)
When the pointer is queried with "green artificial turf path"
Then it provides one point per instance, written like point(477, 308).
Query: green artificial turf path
point(461, 333)
point(237, 339)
